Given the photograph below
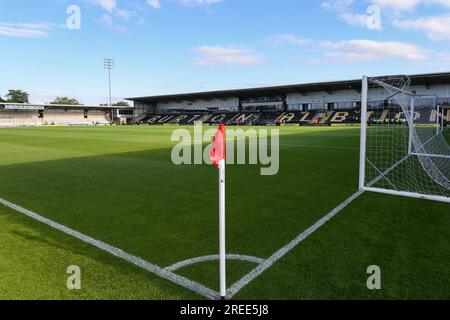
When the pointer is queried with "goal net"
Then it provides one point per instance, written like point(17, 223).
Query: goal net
point(403, 147)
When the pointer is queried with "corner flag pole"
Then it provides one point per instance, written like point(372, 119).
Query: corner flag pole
point(223, 285)
point(218, 159)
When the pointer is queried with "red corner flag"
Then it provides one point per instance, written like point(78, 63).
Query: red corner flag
point(218, 147)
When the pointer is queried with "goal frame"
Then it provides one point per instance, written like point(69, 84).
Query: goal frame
point(362, 158)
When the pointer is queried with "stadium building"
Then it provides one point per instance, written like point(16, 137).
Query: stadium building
point(323, 103)
point(314, 103)
point(23, 115)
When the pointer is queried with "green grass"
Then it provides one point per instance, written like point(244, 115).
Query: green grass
point(119, 185)
point(34, 261)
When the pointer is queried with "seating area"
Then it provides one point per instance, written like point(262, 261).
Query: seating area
point(287, 118)
point(19, 119)
point(258, 119)
point(217, 118)
point(27, 118)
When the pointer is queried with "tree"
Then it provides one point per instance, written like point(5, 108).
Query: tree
point(66, 101)
point(1, 100)
point(17, 96)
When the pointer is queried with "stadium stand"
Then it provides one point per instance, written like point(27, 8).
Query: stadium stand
point(24, 115)
point(320, 103)
point(18, 119)
point(74, 118)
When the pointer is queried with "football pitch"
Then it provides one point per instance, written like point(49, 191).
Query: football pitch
point(119, 186)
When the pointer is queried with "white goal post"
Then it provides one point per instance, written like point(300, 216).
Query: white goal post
point(404, 150)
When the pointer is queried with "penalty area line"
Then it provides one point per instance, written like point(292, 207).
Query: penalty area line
point(139, 262)
point(252, 275)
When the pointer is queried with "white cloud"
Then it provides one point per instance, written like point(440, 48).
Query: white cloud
point(29, 25)
point(112, 5)
point(281, 39)
point(362, 51)
point(199, 2)
point(355, 51)
point(343, 10)
point(226, 55)
point(21, 33)
point(406, 5)
point(437, 28)
point(337, 5)
point(26, 29)
point(108, 21)
point(445, 57)
point(353, 19)
point(108, 5)
point(112, 9)
point(124, 14)
point(442, 61)
point(401, 5)
point(156, 4)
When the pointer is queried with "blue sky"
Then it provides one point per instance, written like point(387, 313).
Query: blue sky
point(172, 46)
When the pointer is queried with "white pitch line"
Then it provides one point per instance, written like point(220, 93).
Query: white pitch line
point(189, 262)
point(235, 288)
point(160, 272)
